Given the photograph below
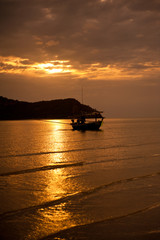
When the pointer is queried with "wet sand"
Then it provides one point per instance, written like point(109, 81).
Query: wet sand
point(143, 225)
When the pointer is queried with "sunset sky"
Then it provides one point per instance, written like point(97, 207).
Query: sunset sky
point(50, 49)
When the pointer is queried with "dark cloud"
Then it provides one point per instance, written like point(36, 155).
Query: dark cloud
point(143, 5)
point(7, 67)
point(85, 31)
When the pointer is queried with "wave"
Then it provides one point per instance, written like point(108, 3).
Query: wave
point(55, 166)
point(156, 155)
point(120, 159)
point(21, 211)
point(50, 152)
point(76, 150)
point(112, 160)
point(74, 196)
point(44, 168)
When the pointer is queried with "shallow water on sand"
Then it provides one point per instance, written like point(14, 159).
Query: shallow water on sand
point(53, 178)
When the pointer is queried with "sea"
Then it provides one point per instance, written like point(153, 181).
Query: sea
point(61, 184)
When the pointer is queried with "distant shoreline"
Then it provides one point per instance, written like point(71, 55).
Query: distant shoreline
point(54, 109)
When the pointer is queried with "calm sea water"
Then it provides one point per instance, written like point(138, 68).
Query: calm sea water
point(54, 179)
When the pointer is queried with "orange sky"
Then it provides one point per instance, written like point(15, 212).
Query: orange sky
point(50, 49)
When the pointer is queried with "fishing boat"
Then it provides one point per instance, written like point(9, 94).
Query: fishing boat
point(84, 122)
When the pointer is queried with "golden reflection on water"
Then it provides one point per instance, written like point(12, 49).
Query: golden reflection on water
point(52, 220)
point(59, 216)
point(58, 141)
point(56, 177)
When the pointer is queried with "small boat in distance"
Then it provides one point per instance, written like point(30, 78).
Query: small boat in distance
point(80, 123)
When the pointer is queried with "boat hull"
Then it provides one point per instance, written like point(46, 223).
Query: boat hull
point(87, 126)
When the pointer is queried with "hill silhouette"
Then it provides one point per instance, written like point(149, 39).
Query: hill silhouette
point(55, 109)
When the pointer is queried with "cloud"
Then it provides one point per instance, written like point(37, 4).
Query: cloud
point(82, 31)
point(143, 5)
point(73, 41)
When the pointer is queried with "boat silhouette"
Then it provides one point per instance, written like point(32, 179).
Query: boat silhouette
point(92, 121)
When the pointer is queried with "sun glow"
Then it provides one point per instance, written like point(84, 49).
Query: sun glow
point(94, 71)
point(55, 67)
point(24, 66)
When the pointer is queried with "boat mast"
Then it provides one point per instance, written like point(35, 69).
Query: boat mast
point(82, 94)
